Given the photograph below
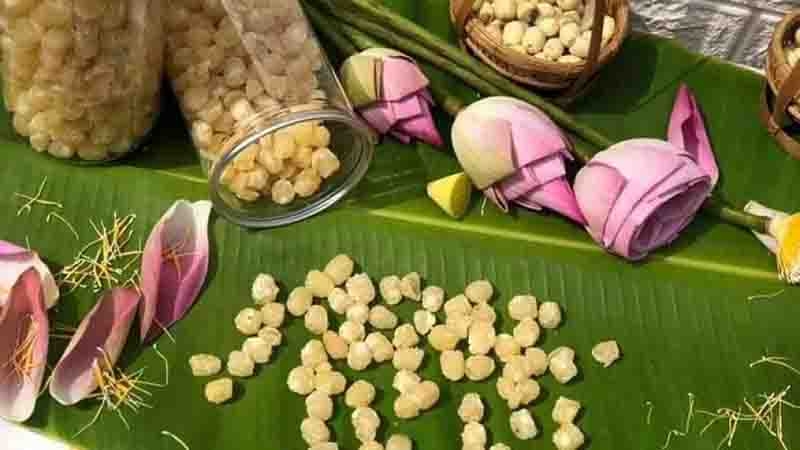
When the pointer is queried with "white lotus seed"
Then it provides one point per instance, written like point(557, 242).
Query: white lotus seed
point(335, 345)
point(553, 48)
point(423, 321)
point(301, 380)
point(248, 321)
point(526, 333)
point(283, 192)
point(352, 331)
point(240, 364)
point(273, 314)
point(486, 13)
point(527, 391)
point(319, 406)
point(484, 312)
point(546, 9)
point(606, 353)
point(517, 369)
point(365, 422)
point(566, 410)
point(319, 283)
point(425, 394)
point(549, 315)
point(482, 338)
point(411, 286)
point(405, 336)
point(569, 34)
point(314, 431)
point(399, 442)
point(265, 290)
point(313, 354)
point(499, 446)
point(471, 408)
point(568, 5)
point(300, 299)
point(581, 47)
point(359, 356)
point(526, 10)
point(474, 434)
point(442, 338)
point(505, 9)
point(523, 306)
point(537, 361)
point(513, 32)
point(458, 306)
point(339, 300)
point(316, 320)
point(360, 288)
point(219, 391)
point(325, 162)
point(358, 312)
point(609, 28)
point(452, 364)
point(433, 298)
point(568, 437)
point(371, 445)
point(506, 347)
point(480, 291)
point(479, 367)
point(506, 388)
point(381, 347)
point(459, 325)
point(408, 359)
point(330, 382)
point(523, 425)
point(360, 394)
point(271, 336)
point(562, 364)
point(390, 289)
point(340, 268)
point(257, 349)
point(405, 407)
point(204, 365)
point(381, 318)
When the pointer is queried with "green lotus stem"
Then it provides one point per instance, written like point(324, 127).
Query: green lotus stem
point(327, 28)
point(715, 206)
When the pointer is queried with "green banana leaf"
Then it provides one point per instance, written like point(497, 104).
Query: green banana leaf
point(683, 318)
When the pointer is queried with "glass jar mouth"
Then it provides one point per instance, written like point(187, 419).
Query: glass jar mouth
point(363, 151)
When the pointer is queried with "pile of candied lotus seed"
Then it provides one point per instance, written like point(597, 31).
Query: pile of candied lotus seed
point(235, 64)
point(370, 334)
point(552, 30)
point(82, 77)
point(792, 50)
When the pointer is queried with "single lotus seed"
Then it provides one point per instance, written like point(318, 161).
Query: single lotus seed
point(606, 353)
point(513, 33)
point(265, 290)
point(390, 289)
point(335, 345)
point(562, 364)
point(300, 299)
point(479, 367)
point(474, 434)
point(405, 336)
point(459, 325)
point(316, 319)
point(452, 364)
point(526, 333)
point(314, 431)
point(566, 410)
point(458, 306)
point(523, 425)
point(405, 407)
point(442, 338)
point(240, 364)
point(408, 359)
point(219, 391)
point(425, 394)
point(471, 408)
point(381, 347)
point(271, 336)
point(506, 347)
point(257, 349)
point(411, 286)
point(361, 393)
point(423, 321)
point(404, 380)
point(204, 365)
point(248, 321)
point(352, 331)
point(359, 356)
point(482, 338)
point(339, 301)
point(399, 442)
point(433, 298)
point(319, 406)
point(360, 288)
point(340, 268)
point(549, 315)
point(537, 361)
point(484, 312)
point(365, 422)
point(319, 283)
point(523, 306)
point(480, 291)
point(313, 354)
point(568, 437)
point(273, 314)
point(358, 313)
point(330, 382)
point(381, 318)
point(553, 48)
point(301, 380)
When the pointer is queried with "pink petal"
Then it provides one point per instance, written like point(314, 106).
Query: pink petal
point(483, 147)
point(535, 139)
point(403, 138)
point(556, 196)
point(379, 116)
point(407, 107)
point(100, 339)
point(421, 127)
point(15, 260)
point(23, 327)
point(687, 130)
point(597, 189)
point(496, 196)
point(174, 266)
point(401, 78)
point(754, 207)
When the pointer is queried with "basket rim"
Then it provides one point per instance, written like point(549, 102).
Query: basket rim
point(777, 63)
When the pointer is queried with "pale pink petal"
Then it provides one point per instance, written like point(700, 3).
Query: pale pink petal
point(687, 130)
point(15, 260)
point(535, 139)
point(597, 189)
point(407, 107)
point(421, 127)
point(483, 147)
point(174, 266)
point(756, 208)
point(379, 116)
point(99, 339)
point(401, 78)
point(556, 196)
point(24, 332)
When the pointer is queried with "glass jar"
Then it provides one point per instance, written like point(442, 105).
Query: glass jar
point(82, 78)
point(275, 133)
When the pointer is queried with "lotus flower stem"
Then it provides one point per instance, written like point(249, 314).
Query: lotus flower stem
point(455, 62)
point(328, 29)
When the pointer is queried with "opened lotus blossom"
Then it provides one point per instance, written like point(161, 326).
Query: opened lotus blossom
point(14, 261)
point(24, 331)
point(174, 266)
point(638, 195)
point(516, 155)
point(98, 342)
point(782, 238)
point(389, 91)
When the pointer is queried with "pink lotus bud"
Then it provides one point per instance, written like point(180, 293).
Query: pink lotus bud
point(389, 91)
point(638, 195)
point(516, 155)
point(14, 261)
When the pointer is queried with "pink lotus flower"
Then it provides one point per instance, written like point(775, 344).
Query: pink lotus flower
point(638, 195)
point(14, 261)
point(174, 266)
point(24, 330)
point(516, 155)
point(389, 91)
point(98, 342)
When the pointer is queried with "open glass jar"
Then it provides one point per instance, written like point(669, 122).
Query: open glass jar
point(82, 78)
point(275, 133)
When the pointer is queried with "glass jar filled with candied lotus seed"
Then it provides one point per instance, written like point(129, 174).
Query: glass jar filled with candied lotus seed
point(275, 132)
point(82, 78)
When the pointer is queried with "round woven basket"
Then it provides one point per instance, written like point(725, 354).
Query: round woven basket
point(541, 74)
point(783, 84)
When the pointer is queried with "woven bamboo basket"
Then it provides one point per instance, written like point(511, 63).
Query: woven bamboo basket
point(781, 96)
point(542, 74)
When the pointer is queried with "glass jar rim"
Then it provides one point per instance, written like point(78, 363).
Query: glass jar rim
point(366, 150)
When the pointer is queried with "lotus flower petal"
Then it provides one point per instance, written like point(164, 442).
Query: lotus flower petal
point(758, 209)
point(638, 195)
point(24, 331)
point(380, 116)
point(100, 339)
point(421, 127)
point(687, 130)
point(401, 78)
point(557, 196)
point(14, 261)
point(174, 266)
point(483, 147)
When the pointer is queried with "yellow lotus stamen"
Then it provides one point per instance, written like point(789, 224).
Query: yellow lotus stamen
point(777, 361)
point(176, 439)
point(36, 199)
point(686, 427)
point(789, 246)
point(61, 219)
point(22, 360)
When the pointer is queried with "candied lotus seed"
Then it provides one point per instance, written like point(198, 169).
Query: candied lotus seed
point(549, 315)
point(381, 346)
point(399, 442)
point(523, 425)
point(360, 288)
point(314, 431)
point(390, 289)
point(479, 367)
point(361, 393)
point(523, 306)
point(568, 437)
point(452, 364)
point(408, 359)
point(273, 314)
point(340, 268)
point(319, 283)
point(248, 321)
point(316, 319)
point(335, 345)
point(606, 353)
point(240, 364)
point(480, 291)
point(433, 298)
point(257, 349)
point(382, 318)
point(271, 336)
point(471, 408)
point(319, 406)
point(219, 391)
point(301, 380)
point(204, 365)
point(410, 285)
point(300, 299)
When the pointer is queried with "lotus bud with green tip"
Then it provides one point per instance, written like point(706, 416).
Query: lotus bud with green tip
point(515, 154)
point(390, 92)
point(782, 239)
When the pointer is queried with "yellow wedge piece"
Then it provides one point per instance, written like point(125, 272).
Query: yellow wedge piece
point(452, 194)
